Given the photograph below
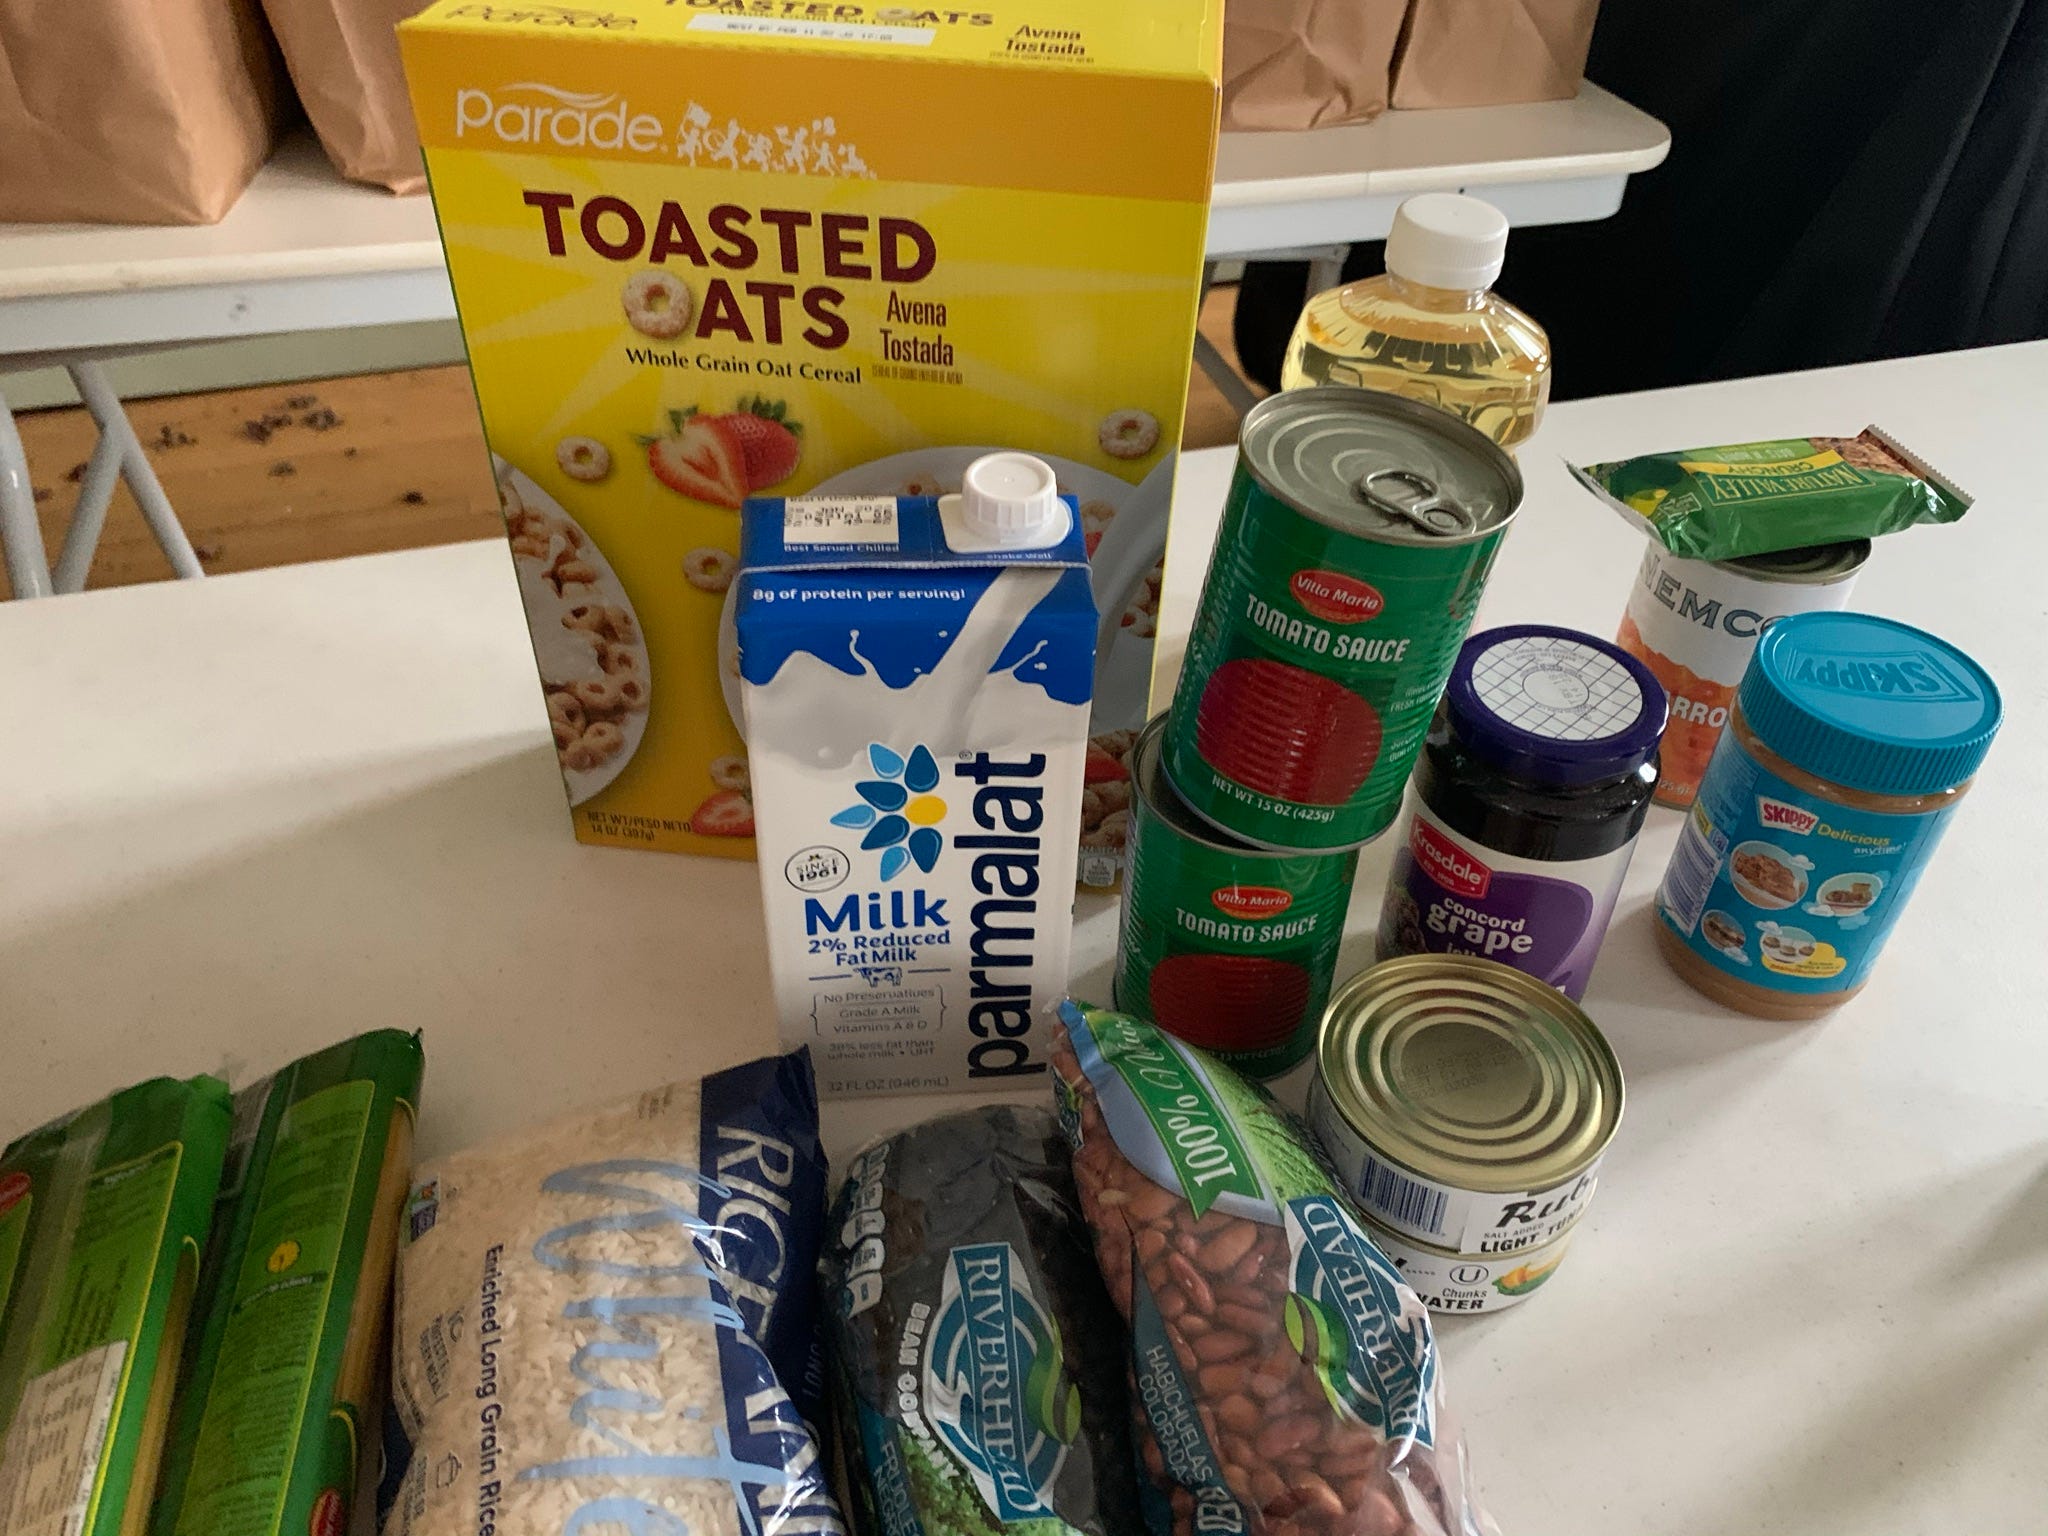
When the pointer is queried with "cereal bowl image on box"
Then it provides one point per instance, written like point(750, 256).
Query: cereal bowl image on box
point(587, 643)
point(708, 250)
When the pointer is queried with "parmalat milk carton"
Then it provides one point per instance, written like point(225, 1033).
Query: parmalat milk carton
point(916, 676)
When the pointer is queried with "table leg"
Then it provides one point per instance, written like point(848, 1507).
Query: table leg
point(88, 515)
point(112, 420)
point(21, 536)
point(1238, 394)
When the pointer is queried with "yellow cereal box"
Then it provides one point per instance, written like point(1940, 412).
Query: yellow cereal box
point(706, 249)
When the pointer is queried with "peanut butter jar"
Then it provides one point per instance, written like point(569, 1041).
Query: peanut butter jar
point(1852, 742)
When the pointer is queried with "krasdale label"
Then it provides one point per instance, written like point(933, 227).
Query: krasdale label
point(1446, 863)
point(1251, 901)
point(1782, 817)
point(1338, 598)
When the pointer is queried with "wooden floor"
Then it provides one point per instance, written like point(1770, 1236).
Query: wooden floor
point(343, 466)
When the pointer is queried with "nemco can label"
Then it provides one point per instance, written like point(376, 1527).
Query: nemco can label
point(1228, 947)
point(1315, 662)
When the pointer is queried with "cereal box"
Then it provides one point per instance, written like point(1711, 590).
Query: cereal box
point(707, 249)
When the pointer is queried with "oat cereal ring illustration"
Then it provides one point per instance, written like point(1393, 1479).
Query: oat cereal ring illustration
point(1096, 516)
point(620, 624)
point(587, 750)
point(583, 458)
point(526, 547)
point(562, 706)
point(1128, 434)
point(599, 695)
point(571, 572)
point(605, 736)
point(632, 692)
point(509, 498)
point(564, 732)
point(617, 660)
point(586, 616)
point(731, 773)
point(657, 304)
point(709, 570)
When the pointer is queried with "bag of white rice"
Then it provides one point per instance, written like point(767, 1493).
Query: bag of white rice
point(606, 1326)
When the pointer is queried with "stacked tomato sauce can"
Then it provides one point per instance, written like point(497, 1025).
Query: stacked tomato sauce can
point(1356, 537)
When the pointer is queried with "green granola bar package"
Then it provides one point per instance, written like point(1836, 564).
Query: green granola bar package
point(283, 1360)
point(1757, 498)
point(103, 1215)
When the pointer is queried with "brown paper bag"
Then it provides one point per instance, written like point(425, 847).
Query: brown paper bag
point(132, 111)
point(1483, 53)
point(343, 57)
point(1307, 63)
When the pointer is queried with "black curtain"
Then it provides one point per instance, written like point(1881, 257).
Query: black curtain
point(1848, 180)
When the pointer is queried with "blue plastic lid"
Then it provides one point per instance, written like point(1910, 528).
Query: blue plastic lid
point(1870, 704)
point(1554, 706)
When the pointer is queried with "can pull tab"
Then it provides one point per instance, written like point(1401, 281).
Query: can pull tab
point(1414, 498)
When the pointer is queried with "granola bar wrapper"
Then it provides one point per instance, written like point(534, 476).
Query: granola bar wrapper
point(1757, 498)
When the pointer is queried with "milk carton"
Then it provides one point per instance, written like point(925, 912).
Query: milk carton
point(916, 675)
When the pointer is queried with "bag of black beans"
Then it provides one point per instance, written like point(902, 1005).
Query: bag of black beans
point(975, 1362)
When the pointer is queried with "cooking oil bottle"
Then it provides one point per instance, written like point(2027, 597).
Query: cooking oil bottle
point(1430, 327)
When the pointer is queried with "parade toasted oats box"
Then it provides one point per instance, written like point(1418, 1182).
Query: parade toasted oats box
point(706, 249)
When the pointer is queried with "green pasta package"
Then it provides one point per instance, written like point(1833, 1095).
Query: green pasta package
point(103, 1217)
point(282, 1365)
point(1744, 499)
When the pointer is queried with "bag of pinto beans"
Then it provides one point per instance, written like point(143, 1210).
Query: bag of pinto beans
point(1284, 1379)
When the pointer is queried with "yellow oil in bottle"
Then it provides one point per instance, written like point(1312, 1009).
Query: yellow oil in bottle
point(1430, 328)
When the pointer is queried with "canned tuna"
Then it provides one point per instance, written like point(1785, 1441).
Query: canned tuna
point(1357, 535)
point(1229, 947)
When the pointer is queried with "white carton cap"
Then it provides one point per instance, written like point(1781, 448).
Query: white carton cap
point(1011, 498)
point(1447, 240)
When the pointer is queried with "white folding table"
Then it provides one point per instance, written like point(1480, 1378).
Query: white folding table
point(305, 251)
point(243, 818)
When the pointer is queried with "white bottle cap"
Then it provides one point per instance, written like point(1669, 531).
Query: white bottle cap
point(1447, 240)
point(1011, 498)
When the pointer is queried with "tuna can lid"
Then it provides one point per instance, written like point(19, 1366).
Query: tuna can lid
point(1869, 703)
point(1813, 565)
point(1379, 467)
point(1469, 1073)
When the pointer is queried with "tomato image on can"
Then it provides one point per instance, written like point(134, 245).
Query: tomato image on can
point(1227, 946)
point(1357, 535)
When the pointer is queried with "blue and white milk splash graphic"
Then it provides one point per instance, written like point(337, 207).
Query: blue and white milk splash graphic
point(916, 704)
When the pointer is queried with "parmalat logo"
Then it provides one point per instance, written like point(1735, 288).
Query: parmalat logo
point(898, 812)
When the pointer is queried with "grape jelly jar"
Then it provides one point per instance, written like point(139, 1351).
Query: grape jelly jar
point(1532, 785)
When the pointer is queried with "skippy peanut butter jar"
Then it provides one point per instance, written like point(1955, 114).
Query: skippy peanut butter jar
point(708, 249)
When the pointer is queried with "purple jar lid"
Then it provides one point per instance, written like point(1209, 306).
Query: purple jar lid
point(1554, 706)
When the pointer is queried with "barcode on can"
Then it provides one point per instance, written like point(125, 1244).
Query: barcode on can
point(1405, 1202)
point(1690, 879)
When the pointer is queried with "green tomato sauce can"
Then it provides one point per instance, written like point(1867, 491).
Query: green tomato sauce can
point(1358, 533)
point(1226, 946)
